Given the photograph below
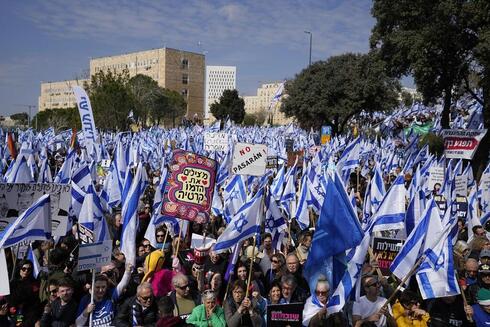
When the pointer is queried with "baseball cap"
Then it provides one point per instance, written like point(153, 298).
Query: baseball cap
point(485, 253)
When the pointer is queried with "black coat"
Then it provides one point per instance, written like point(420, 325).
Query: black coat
point(131, 308)
point(60, 316)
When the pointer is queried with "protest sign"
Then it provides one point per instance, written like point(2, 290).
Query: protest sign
point(440, 201)
point(189, 187)
point(292, 158)
point(272, 162)
point(16, 198)
point(279, 315)
point(94, 255)
point(462, 143)
point(249, 159)
point(289, 144)
point(385, 250)
point(436, 176)
point(326, 134)
point(460, 207)
point(216, 141)
point(461, 185)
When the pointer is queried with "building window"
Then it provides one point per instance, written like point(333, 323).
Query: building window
point(185, 63)
point(185, 79)
point(184, 93)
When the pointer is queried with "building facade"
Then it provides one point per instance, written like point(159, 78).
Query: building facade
point(177, 70)
point(262, 103)
point(218, 79)
point(58, 95)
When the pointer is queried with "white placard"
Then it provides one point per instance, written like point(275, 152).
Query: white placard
point(16, 198)
point(199, 242)
point(94, 255)
point(216, 141)
point(461, 185)
point(249, 159)
point(436, 176)
point(4, 274)
point(105, 163)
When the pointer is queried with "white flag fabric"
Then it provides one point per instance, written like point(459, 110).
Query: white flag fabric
point(87, 119)
point(32, 225)
point(391, 212)
point(244, 224)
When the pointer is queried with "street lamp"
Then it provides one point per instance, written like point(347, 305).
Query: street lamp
point(311, 38)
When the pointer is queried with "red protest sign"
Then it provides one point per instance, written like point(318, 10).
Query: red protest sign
point(189, 187)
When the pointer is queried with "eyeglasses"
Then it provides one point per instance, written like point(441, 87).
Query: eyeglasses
point(373, 284)
point(146, 245)
point(146, 299)
point(321, 293)
point(183, 287)
point(25, 268)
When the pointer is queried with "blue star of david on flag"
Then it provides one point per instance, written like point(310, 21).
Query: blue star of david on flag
point(240, 223)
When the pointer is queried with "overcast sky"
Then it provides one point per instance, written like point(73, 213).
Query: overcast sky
point(53, 40)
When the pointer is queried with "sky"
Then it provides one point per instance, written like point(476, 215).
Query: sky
point(53, 40)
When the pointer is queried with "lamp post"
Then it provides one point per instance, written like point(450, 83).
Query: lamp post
point(311, 39)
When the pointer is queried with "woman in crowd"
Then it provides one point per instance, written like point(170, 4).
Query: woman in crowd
point(407, 312)
point(209, 313)
point(24, 295)
point(239, 310)
point(276, 271)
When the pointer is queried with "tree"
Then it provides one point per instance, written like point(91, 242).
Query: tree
point(111, 99)
point(59, 119)
point(426, 39)
point(332, 91)
point(173, 105)
point(145, 92)
point(20, 118)
point(257, 118)
point(229, 105)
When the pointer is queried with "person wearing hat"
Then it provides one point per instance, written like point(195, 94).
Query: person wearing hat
point(485, 256)
point(483, 282)
point(480, 311)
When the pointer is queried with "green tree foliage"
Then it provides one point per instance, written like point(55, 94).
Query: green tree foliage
point(257, 118)
point(435, 142)
point(426, 39)
point(444, 44)
point(332, 91)
point(20, 118)
point(60, 119)
point(229, 105)
point(111, 99)
point(153, 103)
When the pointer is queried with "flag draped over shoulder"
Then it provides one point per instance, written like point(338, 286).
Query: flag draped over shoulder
point(337, 230)
point(33, 224)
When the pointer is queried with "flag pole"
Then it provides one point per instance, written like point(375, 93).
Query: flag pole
point(251, 267)
point(178, 240)
point(14, 259)
point(465, 302)
point(92, 298)
point(404, 280)
point(164, 239)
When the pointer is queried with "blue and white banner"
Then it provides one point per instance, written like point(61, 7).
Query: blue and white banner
point(87, 118)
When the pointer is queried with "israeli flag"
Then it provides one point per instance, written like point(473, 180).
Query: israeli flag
point(36, 268)
point(235, 196)
point(391, 212)
point(245, 223)
point(91, 216)
point(302, 214)
point(377, 190)
point(288, 197)
point(129, 214)
point(426, 235)
point(20, 172)
point(33, 224)
point(275, 223)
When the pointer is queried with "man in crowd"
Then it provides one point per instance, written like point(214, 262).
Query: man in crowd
point(184, 299)
point(62, 311)
point(291, 292)
point(294, 268)
point(370, 307)
point(139, 310)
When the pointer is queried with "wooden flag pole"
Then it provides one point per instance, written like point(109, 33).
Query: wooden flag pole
point(251, 267)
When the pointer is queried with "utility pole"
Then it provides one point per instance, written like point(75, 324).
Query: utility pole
point(30, 107)
point(311, 39)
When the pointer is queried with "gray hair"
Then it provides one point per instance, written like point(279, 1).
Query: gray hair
point(289, 280)
point(323, 280)
point(178, 279)
point(142, 286)
point(208, 295)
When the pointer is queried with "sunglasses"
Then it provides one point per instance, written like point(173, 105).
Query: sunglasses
point(160, 235)
point(275, 261)
point(183, 287)
point(321, 293)
point(53, 291)
point(146, 245)
point(25, 268)
point(146, 299)
point(373, 284)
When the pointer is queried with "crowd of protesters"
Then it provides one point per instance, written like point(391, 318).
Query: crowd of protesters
point(176, 285)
